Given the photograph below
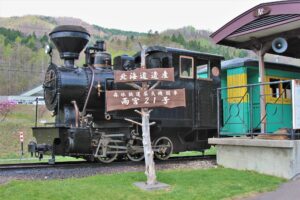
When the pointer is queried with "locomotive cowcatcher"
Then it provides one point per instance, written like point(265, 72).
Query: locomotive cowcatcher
point(84, 129)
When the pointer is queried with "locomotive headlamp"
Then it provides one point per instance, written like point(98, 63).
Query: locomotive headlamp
point(215, 71)
point(48, 49)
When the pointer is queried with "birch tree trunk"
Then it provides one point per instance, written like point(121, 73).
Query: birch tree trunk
point(148, 152)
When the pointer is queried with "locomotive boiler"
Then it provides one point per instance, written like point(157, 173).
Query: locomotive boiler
point(83, 127)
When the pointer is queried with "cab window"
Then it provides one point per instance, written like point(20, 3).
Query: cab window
point(186, 67)
point(202, 71)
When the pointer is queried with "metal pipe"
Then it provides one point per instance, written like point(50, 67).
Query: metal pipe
point(89, 93)
point(218, 111)
point(251, 113)
point(293, 134)
point(58, 108)
point(76, 113)
point(36, 110)
point(255, 84)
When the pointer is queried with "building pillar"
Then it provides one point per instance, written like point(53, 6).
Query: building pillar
point(262, 98)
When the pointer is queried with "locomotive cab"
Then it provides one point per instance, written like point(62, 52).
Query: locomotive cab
point(188, 128)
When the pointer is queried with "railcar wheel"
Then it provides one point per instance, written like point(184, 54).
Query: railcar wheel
point(163, 148)
point(135, 151)
point(111, 154)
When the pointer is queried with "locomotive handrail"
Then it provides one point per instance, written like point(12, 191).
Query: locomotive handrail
point(105, 89)
point(89, 92)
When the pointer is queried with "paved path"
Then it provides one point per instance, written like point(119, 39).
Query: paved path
point(287, 191)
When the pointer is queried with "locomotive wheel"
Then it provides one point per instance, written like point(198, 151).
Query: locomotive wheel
point(163, 148)
point(134, 150)
point(89, 159)
point(109, 157)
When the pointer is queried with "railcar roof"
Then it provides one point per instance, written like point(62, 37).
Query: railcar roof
point(186, 52)
point(250, 62)
point(238, 62)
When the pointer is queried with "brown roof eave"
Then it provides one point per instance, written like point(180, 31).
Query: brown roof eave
point(228, 28)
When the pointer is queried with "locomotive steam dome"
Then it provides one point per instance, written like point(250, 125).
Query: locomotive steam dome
point(69, 40)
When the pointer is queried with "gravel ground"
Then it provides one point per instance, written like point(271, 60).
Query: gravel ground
point(99, 168)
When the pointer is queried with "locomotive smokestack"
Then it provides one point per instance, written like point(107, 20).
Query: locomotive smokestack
point(69, 41)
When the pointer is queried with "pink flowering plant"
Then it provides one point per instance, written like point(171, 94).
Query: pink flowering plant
point(6, 107)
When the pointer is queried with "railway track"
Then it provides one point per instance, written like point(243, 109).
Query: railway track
point(39, 165)
point(76, 164)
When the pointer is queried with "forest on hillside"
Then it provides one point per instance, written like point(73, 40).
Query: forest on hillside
point(23, 61)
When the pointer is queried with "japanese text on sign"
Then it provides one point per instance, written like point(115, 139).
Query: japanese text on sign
point(154, 74)
point(128, 99)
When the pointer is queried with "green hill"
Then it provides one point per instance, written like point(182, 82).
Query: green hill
point(22, 39)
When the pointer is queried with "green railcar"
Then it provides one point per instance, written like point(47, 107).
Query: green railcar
point(240, 113)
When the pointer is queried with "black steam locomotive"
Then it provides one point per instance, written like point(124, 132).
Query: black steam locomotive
point(76, 95)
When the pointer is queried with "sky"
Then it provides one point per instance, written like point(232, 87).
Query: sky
point(136, 15)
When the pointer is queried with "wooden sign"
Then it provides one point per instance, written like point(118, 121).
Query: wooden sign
point(262, 11)
point(129, 99)
point(139, 74)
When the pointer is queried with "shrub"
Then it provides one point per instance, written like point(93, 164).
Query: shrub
point(6, 107)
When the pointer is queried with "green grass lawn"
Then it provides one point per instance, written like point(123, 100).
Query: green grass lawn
point(22, 119)
point(208, 184)
point(211, 151)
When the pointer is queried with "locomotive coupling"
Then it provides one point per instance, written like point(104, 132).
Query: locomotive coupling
point(32, 146)
point(38, 149)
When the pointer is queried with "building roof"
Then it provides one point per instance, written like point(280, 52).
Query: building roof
point(262, 24)
point(37, 91)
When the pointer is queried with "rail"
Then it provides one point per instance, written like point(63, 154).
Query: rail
point(73, 164)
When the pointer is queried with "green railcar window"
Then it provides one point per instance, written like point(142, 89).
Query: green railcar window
point(275, 88)
point(287, 93)
point(278, 93)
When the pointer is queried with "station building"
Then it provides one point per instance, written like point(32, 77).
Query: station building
point(260, 98)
